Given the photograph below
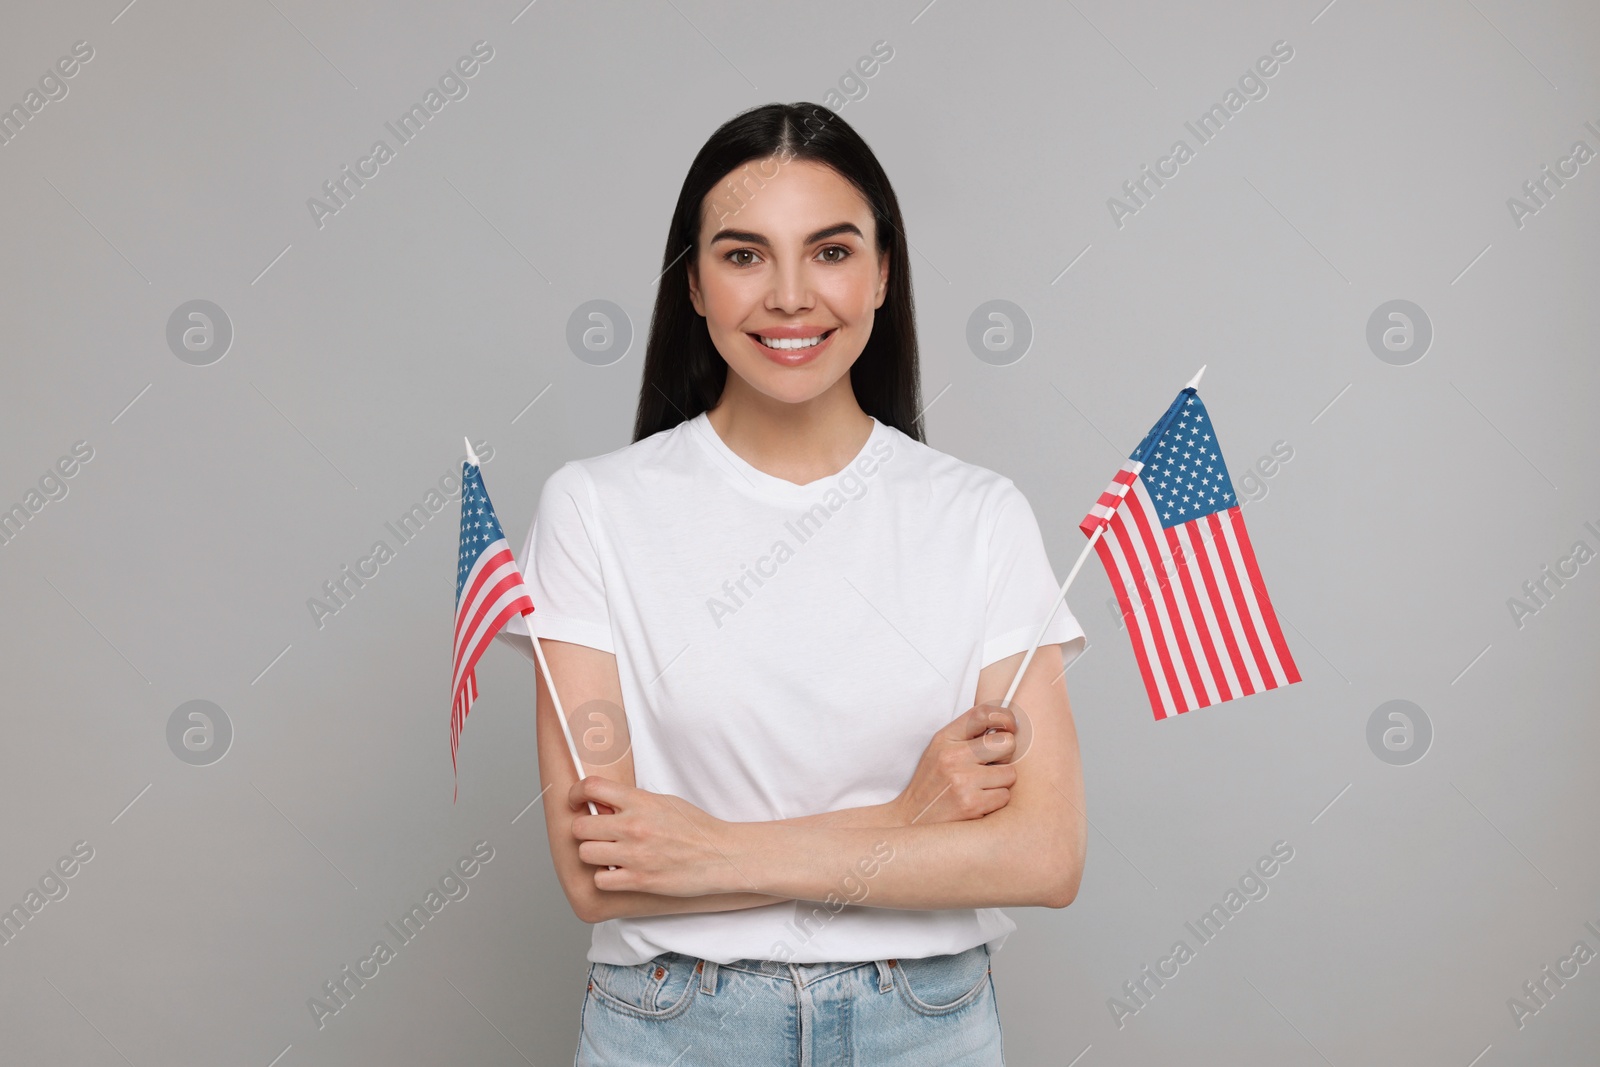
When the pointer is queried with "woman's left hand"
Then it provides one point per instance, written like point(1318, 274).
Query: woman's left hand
point(658, 843)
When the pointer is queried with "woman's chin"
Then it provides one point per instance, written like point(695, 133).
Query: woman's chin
point(791, 386)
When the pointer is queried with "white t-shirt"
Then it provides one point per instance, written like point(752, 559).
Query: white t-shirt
point(790, 649)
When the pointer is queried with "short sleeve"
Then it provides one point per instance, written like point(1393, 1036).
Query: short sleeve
point(561, 566)
point(1022, 587)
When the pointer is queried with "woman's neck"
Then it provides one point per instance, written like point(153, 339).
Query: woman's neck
point(796, 442)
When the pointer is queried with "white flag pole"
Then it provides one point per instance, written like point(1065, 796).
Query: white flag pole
point(561, 715)
point(550, 682)
point(1194, 383)
point(1060, 598)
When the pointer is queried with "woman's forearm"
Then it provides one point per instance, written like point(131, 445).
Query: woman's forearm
point(628, 904)
point(1030, 852)
point(867, 816)
point(1005, 859)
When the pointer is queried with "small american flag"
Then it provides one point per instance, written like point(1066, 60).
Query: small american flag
point(1175, 548)
point(489, 591)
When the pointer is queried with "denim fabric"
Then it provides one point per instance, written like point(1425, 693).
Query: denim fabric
point(687, 1012)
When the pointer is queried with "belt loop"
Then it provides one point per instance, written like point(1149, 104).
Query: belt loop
point(708, 976)
point(885, 976)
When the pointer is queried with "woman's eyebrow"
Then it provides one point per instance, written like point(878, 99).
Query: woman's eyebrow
point(749, 237)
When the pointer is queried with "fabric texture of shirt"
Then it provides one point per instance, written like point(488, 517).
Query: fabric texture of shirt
point(790, 649)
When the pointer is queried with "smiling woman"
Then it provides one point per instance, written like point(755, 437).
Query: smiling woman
point(830, 731)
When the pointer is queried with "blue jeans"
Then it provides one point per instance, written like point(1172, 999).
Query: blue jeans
point(688, 1012)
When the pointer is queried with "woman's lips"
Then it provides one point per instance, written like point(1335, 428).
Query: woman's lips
point(793, 357)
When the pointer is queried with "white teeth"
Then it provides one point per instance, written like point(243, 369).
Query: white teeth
point(791, 342)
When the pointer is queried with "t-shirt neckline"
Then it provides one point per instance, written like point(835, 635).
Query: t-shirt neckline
point(744, 476)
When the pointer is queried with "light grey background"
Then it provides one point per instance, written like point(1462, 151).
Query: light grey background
point(435, 304)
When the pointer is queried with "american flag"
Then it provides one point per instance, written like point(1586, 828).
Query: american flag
point(1175, 548)
point(489, 591)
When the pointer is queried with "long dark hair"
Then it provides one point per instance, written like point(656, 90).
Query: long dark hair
point(683, 372)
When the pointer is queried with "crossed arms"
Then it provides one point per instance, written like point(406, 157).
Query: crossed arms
point(975, 826)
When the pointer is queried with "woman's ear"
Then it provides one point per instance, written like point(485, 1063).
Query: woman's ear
point(694, 288)
point(883, 279)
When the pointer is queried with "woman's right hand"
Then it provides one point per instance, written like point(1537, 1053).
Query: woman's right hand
point(957, 777)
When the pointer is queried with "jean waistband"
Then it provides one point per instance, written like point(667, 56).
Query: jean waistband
point(802, 974)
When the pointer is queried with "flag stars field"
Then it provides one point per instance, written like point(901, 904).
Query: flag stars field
point(1206, 484)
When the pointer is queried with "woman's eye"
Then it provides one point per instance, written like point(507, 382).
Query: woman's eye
point(739, 252)
point(844, 253)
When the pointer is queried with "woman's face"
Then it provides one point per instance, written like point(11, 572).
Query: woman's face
point(793, 259)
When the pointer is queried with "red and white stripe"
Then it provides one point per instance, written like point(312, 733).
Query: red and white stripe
point(493, 593)
point(1106, 506)
point(1196, 609)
